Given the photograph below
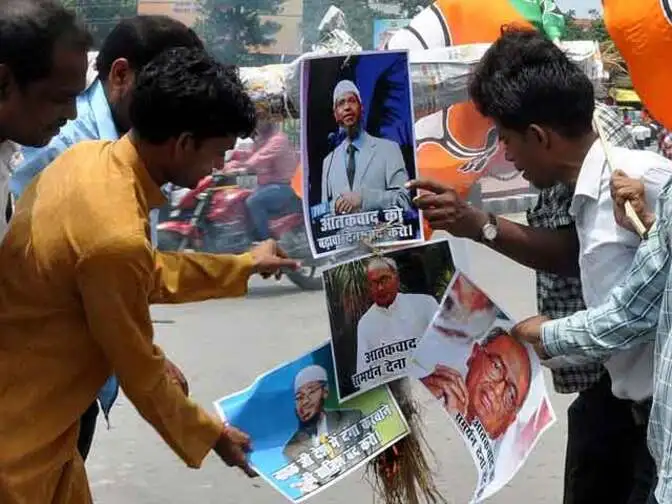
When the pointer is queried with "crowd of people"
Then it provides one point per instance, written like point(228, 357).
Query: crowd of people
point(80, 269)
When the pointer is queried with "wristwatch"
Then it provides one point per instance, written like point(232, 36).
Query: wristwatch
point(490, 229)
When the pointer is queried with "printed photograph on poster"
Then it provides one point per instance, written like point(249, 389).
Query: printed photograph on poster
point(302, 440)
point(358, 151)
point(490, 384)
point(379, 306)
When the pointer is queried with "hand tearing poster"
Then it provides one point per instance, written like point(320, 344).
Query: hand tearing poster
point(490, 384)
point(302, 439)
point(358, 151)
point(379, 306)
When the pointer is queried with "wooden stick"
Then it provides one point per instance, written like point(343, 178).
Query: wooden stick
point(629, 210)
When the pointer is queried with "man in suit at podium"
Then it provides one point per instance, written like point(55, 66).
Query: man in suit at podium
point(364, 173)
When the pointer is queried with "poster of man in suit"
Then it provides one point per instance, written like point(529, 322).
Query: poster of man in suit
point(358, 151)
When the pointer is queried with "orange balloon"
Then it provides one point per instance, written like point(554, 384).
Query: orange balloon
point(642, 32)
point(471, 22)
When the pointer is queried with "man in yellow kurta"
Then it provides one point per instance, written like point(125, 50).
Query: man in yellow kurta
point(79, 273)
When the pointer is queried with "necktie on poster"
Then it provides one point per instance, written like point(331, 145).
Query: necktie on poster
point(355, 181)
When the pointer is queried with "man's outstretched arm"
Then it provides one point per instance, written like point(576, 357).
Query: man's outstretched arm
point(188, 277)
point(549, 250)
point(627, 319)
point(114, 282)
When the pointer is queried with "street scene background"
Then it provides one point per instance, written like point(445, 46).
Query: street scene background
point(222, 346)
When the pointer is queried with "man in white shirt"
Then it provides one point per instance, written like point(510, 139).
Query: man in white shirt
point(543, 107)
point(43, 64)
point(394, 317)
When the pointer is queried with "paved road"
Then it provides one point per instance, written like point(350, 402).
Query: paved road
point(222, 346)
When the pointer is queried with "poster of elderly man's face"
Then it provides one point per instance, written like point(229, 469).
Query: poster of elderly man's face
point(489, 383)
point(379, 306)
point(358, 151)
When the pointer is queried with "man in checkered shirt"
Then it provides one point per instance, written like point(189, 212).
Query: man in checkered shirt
point(604, 432)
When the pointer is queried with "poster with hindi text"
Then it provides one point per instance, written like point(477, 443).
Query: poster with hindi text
point(303, 440)
point(490, 384)
point(379, 306)
point(358, 151)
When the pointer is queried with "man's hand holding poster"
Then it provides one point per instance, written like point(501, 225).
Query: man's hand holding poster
point(488, 382)
point(302, 439)
point(379, 307)
point(358, 151)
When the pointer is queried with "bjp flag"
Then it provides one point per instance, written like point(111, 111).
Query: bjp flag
point(457, 145)
point(642, 32)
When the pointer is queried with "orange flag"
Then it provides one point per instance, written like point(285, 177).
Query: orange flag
point(642, 32)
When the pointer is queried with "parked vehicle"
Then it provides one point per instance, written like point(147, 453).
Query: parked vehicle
point(213, 218)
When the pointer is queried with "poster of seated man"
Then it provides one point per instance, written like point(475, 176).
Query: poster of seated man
point(358, 151)
point(379, 306)
point(302, 440)
point(490, 384)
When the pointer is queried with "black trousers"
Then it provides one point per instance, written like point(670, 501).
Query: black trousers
point(87, 427)
point(608, 460)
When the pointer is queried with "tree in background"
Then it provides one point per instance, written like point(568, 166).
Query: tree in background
point(233, 30)
point(598, 29)
point(594, 30)
point(409, 8)
point(100, 16)
point(359, 16)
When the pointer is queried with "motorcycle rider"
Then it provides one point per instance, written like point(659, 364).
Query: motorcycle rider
point(274, 161)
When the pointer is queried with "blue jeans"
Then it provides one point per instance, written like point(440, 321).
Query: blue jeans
point(266, 201)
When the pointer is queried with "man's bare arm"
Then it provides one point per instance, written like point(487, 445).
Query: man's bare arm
point(551, 251)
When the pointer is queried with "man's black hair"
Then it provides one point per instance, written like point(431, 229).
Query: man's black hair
point(140, 39)
point(524, 78)
point(29, 33)
point(187, 90)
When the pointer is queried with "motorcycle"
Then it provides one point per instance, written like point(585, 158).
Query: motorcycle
point(213, 218)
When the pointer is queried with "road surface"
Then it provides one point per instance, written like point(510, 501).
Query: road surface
point(222, 346)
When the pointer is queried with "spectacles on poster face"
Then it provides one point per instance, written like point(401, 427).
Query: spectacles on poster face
point(307, 392)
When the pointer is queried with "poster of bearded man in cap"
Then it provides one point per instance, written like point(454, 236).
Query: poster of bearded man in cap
point(302, 439)
point(358, 151)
